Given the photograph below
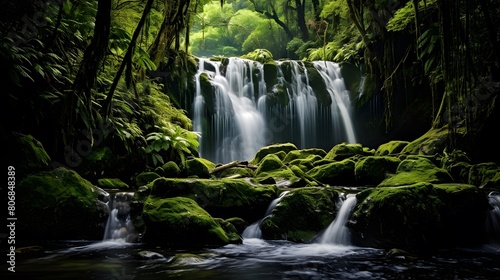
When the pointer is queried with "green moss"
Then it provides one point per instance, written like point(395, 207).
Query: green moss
point(485, 174)
point(260, 55)
point(51, 203)
point(199, 167)
point(223, 198)
point(277, 96)
point(26, 154)
point(301, 214)
point(344, 150)
point(237, 172)
point(303, 154)
point(432, 142)
point(270, 162)
point(423, 217)
point(111, 183)
point(180, 222)
point(171, 169)
point(391, 147)
point(336, 173)
point(372, 170)
point(145, 177)
point(305, 164)
point(272, 149)
point(415, 170)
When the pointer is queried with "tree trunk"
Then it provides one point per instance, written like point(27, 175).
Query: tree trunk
point(106, 107)
point(87, 74)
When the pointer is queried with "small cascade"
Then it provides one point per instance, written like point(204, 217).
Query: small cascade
point(337, 232)
point(253, 230)
point(493, 224)
point(119, 226)
point(330, 72)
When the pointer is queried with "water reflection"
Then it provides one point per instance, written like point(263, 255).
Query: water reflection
point(254, 259)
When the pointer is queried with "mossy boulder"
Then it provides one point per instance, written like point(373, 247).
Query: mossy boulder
point(415, 170)
point(272, 149)
point(239, 224)
point(432, 142)
point(277, 95)
point(270, 75)
point(270, 162)
point(198, 167)
point(171, 169)
point(303, 154)
point(58, 204)
point(372, 170)
point(222, 198)
point(344, 150)
point(391, 147)
point(272, 171)
point(181, 222)
point(145, 178)
point(26, 154)
point(260, 55)
point(237, 172)
point(112, 183)
point(420, 218)
point(301, 214)
point(336, 173)
point(305, 164)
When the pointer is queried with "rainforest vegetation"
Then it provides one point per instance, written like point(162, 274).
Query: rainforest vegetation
point(91, 77)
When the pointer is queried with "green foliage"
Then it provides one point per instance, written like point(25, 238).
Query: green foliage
point(171, 140)
point(402, 18)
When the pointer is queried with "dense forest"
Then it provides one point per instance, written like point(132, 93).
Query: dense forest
point(82, 75)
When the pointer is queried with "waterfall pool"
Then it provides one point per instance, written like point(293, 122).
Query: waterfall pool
point(254, 259)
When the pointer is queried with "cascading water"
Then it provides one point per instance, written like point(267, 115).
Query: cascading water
point(253, 230)
point(119, 226)
point(337, 232)
point(493, 224)
point(245, 111)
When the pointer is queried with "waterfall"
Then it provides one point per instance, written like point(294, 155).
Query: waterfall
point(119, 226)
point(337, 232)
point(253, 230)
point(340, 100)
point(493, 224)
point(244, 108)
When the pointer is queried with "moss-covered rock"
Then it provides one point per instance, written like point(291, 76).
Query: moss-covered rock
point(222, 198)
point(171, 169)
point(372, 170)
point(336, 173)
point(344, 150)
point(277, 95)
point(270, 162)
point(58, 204)
point(304, 153)
point(272, 171)
point(26, 154)
point(112, 183)
point(260, 55)
point(305, 164)
point(485, 174)
point(432, 142)
point(416, 170)
point(181, 222)
point(419, 218)
point(272, 149)
point(198, 167)
point(391, 147)
point(301, 214)
point(145, 178)
point(270, 75)
point(239, 224)
point(237, 172)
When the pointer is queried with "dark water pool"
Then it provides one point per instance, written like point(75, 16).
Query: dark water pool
point(254, 259)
